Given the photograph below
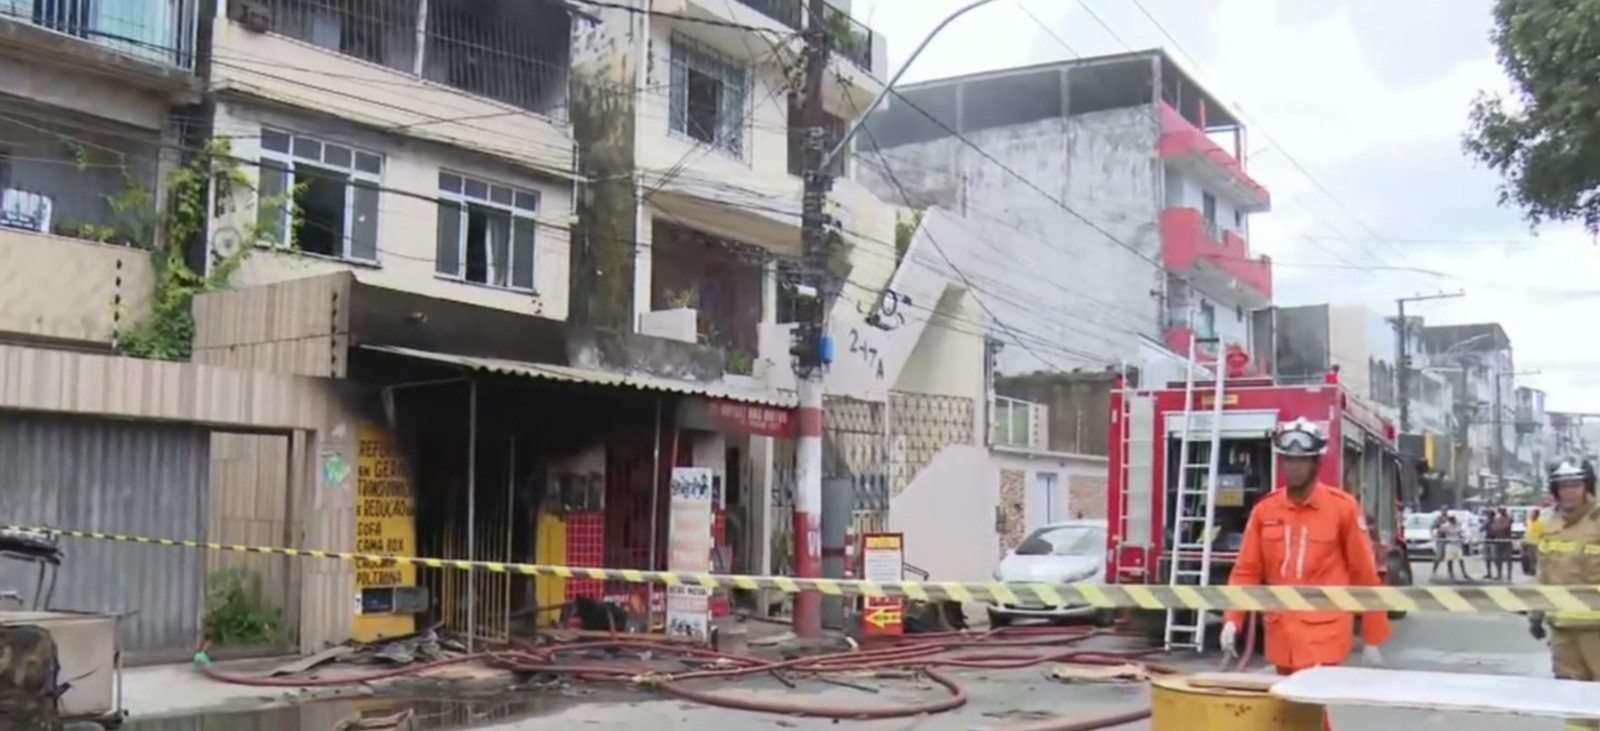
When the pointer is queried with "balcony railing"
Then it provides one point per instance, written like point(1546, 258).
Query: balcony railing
point(1014, 423)
point(1187, 239)
point(787, 12)
point(850, 38)
point(513, 52)
point(158, 31)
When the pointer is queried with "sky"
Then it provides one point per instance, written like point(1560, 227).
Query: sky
point(1355, 111)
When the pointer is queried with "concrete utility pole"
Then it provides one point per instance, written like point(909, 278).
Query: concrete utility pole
point(811, 348)
point(810, 341)
point(1403, 354)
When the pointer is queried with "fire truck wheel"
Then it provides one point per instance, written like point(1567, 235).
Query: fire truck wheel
point(998, 620)
point(1105, 618)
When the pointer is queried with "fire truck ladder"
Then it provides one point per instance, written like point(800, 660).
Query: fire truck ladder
point(1195, 512)
point(1129, 436)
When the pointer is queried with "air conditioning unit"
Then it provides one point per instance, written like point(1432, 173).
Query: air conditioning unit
point(254, 15)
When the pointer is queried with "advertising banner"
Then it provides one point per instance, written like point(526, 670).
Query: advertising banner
point(689, 545)
point(883, 559)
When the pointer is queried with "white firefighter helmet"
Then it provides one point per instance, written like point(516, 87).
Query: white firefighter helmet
point(1299, 438)
point(1567, 471)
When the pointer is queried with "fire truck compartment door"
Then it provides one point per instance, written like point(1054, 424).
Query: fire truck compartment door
point(1241, 424)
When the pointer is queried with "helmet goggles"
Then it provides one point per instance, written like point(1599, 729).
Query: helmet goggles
point(1299, 438)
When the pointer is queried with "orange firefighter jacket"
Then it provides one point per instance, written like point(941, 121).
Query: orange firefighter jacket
point(1321, 542)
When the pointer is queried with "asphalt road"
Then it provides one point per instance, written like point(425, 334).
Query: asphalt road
point(1495, 644)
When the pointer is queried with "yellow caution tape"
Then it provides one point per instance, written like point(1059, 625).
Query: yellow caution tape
point(1454, 599)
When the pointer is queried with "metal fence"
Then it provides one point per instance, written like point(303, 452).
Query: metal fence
point(159, 31)
point(514, 52)
point(113, 477)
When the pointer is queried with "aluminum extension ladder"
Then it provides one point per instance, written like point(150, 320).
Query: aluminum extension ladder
point(1195, 513)
point(1125, 436)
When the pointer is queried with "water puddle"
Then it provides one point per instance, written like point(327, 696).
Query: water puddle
point(344, 714)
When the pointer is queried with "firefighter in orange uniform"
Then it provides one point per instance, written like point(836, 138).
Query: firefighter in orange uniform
point(1307, 534)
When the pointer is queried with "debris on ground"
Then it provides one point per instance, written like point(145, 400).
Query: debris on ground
point(1098, 673)
point(29, 690)
point(402, 721)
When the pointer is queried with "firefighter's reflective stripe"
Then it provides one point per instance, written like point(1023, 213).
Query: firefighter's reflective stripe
point(1571, 619)
point(1568, 548)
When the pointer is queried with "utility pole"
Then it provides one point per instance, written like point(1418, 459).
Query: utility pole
point(811, 348)
point(810, 342)
point(1403, 353)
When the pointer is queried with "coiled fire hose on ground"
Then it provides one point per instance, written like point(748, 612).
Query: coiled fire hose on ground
point(930, 655)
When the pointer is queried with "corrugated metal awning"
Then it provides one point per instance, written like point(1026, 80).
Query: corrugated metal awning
point(748, 394)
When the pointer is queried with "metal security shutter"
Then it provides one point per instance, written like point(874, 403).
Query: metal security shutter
point(128, 478)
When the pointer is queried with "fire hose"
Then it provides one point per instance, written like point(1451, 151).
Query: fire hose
point(931, 655)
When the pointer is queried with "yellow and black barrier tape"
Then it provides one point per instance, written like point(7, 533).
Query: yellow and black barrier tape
point(1454, 599)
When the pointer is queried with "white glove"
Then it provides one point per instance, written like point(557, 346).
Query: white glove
point(1230, 639)
point(1371, 656)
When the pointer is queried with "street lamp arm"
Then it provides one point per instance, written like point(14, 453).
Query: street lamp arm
point(888, 87)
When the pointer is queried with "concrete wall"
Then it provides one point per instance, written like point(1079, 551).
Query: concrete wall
point(948, 516)
point(70, 290)
point(1079, 407)
point(287, 71)
point(1076, 484)
point(1069, 295)
point(408, 215)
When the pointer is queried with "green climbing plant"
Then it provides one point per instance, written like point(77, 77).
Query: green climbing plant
point(238, 612)
point(165, 229)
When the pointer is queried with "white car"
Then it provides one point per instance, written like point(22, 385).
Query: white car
point(1068, 552)
point(1418, 529)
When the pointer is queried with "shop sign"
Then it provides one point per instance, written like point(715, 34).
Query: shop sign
point(753, 419)
point(883, 560)
point(385, 525)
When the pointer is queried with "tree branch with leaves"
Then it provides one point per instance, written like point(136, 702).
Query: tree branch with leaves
point(1543, 138)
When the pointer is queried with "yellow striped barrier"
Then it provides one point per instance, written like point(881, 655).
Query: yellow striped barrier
point(1453, 599)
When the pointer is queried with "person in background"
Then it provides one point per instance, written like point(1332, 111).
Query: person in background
point(1307, 534)
point(1454, 538)
point(1438, 540)
point(1530, 543)
point(1566, 557)
point(1497, 553)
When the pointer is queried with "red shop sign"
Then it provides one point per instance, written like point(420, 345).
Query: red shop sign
point(753, 420)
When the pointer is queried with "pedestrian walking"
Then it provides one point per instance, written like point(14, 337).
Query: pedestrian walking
point(1566, 556)
point(1307, 534)
point(1530, 543)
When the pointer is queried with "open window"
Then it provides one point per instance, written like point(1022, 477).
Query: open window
point(487, 232)
point(318, 197)
point(707, 97)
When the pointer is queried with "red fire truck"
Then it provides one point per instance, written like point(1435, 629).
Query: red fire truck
point(1168, 444)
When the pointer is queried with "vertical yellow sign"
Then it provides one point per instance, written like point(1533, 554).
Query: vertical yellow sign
point(385, 524)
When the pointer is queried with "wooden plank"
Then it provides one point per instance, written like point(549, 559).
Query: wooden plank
point(1460, 692)
point(1234, 681)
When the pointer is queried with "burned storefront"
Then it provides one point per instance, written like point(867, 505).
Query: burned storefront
point(519, 462)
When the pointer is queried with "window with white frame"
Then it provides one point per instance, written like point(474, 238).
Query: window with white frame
point(487, 232)
point(708, 96)
point(334, 207)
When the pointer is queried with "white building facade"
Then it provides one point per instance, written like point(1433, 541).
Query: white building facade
point(1112, 220)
